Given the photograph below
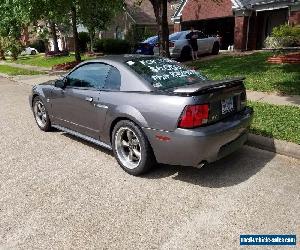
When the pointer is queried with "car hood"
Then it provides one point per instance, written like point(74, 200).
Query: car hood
point(50, 82)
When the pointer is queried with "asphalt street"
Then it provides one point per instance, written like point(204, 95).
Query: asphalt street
point(57, 192)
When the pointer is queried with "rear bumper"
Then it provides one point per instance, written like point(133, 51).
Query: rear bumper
point(190, 147)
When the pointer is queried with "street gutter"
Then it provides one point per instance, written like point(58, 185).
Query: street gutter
point(273, 145)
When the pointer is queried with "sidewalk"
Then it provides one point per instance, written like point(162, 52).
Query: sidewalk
point(291, 100)
point(25, 66)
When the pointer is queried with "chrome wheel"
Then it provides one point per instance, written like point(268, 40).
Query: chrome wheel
point(128, 147)
point(40, 114)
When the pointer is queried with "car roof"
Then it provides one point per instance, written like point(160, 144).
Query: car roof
point(120, 58)
point(151, 39)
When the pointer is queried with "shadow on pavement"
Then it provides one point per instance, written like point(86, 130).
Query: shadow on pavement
point(230, 171)
point(87, 143)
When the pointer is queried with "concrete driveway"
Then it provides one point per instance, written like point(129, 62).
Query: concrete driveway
point(60, 192)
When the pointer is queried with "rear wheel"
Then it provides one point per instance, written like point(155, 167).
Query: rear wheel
point(216, 49)
point(131, 148)
point(41, 115)
point(33, 52)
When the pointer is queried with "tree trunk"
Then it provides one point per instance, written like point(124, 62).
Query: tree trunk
point(75, 34)
point(92, 38)
point(157, 11)
point(165, 29)
point(2, 55)
point(160, 8)
point(54, 36)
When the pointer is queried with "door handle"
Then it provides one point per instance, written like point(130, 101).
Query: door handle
point(89, 99)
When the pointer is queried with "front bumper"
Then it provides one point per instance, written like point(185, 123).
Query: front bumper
point(190, 147)
point(174, 53)
point(30, 99)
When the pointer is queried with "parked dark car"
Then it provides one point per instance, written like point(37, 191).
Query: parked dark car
point(146, 109)
point(146, 47)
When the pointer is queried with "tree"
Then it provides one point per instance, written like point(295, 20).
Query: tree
point(51, 12)
point(96, 15)
point(160, 8)
point(55, 12)
point(3, 46)
point(12, 19)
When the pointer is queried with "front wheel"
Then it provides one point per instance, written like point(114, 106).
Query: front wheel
point(131, 148)
point(41, 115)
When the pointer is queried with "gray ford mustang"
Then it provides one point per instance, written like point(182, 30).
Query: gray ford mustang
point(146, 109)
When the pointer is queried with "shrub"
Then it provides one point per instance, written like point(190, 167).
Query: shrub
point(39, 45)
point(84, 39)
point(283, 36)
point(65, 66)
point(98, 45)
point(286, 31)
point(111, 46)
point(15, 48)
point(54, 54)
point(276, 42)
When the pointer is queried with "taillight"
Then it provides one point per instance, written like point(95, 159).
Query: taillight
point(243, 100)
point(194, 116)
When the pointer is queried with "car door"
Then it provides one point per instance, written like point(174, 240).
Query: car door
point(203, 43)
point(78, 105)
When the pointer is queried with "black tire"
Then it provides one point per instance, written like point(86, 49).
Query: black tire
point(146, 160)
point(33, 52)
point(216, 49)
point(47, 125)
point(186, 54)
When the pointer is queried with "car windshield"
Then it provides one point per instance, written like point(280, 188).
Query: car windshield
point(164, 73)
point(152, 39)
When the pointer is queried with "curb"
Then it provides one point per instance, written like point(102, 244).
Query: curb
point(274, 145)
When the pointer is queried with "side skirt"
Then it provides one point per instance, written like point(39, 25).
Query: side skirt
point(84, 137)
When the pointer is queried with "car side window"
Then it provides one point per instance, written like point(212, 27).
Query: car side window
point(92, 75)
point(113, 81)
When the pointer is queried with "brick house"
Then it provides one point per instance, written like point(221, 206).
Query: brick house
point(242, 23)
point(140, 16)
point(136, 15)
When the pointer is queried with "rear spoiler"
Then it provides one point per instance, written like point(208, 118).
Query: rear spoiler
point(207, 85)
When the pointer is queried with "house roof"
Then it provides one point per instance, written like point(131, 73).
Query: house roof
point(251, 3)
point(237, 4)
point(143, 13)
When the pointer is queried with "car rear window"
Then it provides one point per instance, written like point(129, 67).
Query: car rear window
point(164, 73)
point(152, 39)
point(175, 36)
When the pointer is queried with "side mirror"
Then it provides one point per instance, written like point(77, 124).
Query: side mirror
point(61, 83)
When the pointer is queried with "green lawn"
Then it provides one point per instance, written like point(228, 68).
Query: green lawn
point(12, 71)
point(260, 75)
point(280, 122)
point(42, 61)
